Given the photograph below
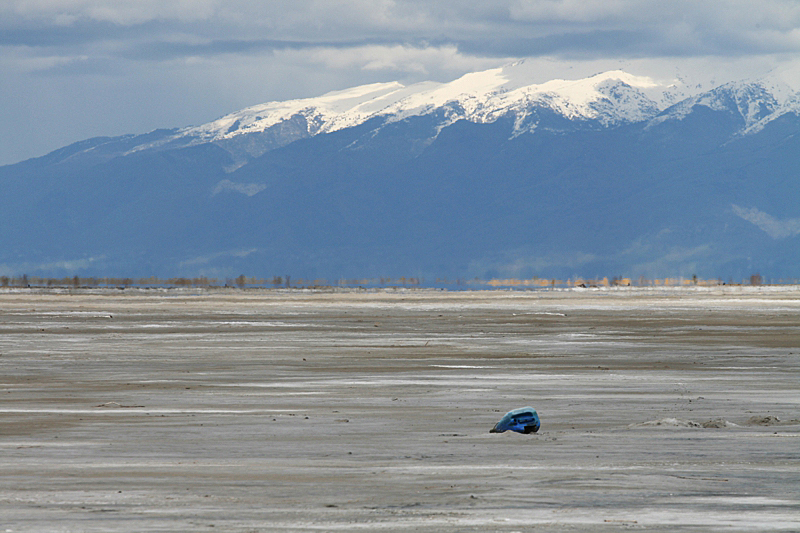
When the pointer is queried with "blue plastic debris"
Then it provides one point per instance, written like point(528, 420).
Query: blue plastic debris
point(523, 420)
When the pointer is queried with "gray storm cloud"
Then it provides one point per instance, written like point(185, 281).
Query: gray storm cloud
point(700, 27)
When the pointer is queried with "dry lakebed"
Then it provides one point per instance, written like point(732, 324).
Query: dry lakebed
point(159, 410)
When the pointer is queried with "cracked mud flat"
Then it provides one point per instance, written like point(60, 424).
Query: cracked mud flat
point(254, 411)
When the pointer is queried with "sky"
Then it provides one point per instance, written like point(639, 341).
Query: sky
point(75, 69)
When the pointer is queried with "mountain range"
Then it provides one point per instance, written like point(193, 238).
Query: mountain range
point(486, 176)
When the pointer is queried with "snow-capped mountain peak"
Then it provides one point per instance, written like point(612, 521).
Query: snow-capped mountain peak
point(783, 88)
point(323, 112)
point(756, 101)
point(485, 96)
point(606, 99)
point(610, 97)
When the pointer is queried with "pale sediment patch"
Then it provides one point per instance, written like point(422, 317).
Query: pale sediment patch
point(683, 423)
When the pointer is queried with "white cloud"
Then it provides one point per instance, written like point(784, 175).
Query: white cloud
point(414, 61)
point(525, 263)
point(250, 189)
point(69, 266)
point(24, 60)
point(777, 229)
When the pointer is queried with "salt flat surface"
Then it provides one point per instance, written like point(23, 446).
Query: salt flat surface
point(254, 411)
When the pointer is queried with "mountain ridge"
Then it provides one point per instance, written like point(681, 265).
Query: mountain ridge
point(489, 175)
point(609, 98)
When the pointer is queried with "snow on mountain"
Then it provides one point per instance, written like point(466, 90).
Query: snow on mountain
point(753, 101)
point(757, 101)
point(608, 99)
point(613, 97)
point(329, 112)
point(790, 105)
point(784, 87)
point(322, 210)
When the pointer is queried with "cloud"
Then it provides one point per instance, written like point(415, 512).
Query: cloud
point(525, 263)
point(66, 12)
point(777, 229)
point(681, 27)
point(67, 266)
point(685, 26)
point(158, 30)
point(250, 189)
point(421, 60)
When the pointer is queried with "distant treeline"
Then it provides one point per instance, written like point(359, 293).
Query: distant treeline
point(243, 281)
point(621, 281)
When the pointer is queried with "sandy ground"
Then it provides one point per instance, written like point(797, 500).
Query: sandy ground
point(252, 411)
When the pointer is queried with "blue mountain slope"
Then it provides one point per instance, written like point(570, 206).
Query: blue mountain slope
point(677, 196)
